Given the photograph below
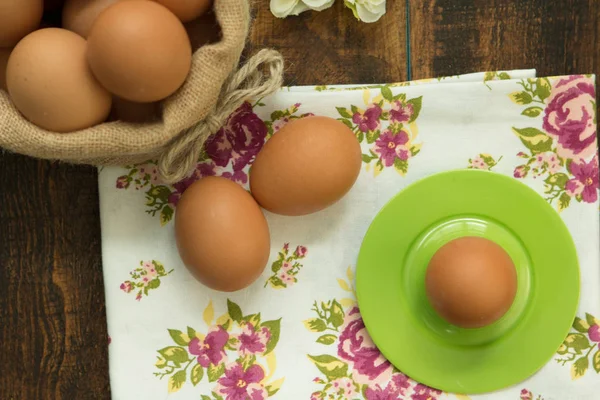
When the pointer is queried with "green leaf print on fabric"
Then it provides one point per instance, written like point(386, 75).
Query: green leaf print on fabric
point(580, 347)
point(229, 154)
point(563, 153)
point(286, 268)
point(145, 278)
point(233, 356)
point(483, 161)
point(388, 123)
point(350, 366)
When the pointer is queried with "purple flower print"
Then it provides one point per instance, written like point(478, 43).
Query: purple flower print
point(389, 146)
point(369, 120)
point(422, 392)
point(286, 247)
point(300, 252)
point(240, 139)
point(585, 181)
point(569, 117)
point(237, 176)
point(396, 389)
point(126, 286)
point(238, 384)
point(594, 333)
point(401, 113)
point(250, 341)
point(355, 346)
point(202, 170)
point(211, 350)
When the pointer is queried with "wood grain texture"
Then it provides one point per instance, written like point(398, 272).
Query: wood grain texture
point(53, 333)
point(450, 37)
point(332, 47)
point(53, 338)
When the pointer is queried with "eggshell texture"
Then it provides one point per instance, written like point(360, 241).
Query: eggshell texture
point(50, 82)
point(4, 54)
point(18, 18)
point(307, 166)
point(139, 51)
point(187, 10)
point(79, 15)
point(471, 282)
point(222, 235)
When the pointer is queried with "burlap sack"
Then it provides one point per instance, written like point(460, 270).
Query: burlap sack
point(214, 89)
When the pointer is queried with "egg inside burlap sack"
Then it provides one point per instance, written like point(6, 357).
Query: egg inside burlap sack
point(175, 140)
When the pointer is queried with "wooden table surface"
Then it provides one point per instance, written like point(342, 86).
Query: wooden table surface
point(53, 337)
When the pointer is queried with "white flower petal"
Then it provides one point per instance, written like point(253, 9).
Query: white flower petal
point(300, 8)
point(318, 5)
point(366, 16)
point(283, 8)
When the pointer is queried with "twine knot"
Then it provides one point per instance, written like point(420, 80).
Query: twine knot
point(181, 155)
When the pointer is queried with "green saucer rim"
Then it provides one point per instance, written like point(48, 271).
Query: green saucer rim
point(521, 351)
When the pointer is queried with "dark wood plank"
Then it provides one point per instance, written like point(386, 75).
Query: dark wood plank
point(332, 47)
point(53, 331)
point(450, 37)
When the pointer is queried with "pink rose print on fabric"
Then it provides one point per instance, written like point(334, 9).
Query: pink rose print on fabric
point(287, 267)
point(353, 367)
point(570, 117)
point(387, 126)
point(229, 361)
point(528, 395)
point(355, 345)
point(564, 154)
point(145, 278)
point(210, 350)
point(229, 153)
point(240, 384)
point(397, 388)
point(580, 349)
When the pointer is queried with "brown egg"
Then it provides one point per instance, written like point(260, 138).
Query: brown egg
point(139, 51)
point(79, 15)
point(137, 113)
point(471, 282)
point(50, 82)
point(4, 54)
point(222, 234)
point(18, 18)
point(187, 10)
point(307, 166)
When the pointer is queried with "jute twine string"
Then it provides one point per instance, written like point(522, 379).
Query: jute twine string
point(181, 155)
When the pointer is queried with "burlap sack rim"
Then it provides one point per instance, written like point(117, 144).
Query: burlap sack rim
point(96, 146)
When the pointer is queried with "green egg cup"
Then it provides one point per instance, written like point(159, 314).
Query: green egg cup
point(390, 281)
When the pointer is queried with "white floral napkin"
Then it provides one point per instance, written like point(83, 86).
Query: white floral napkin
point(297, 332)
